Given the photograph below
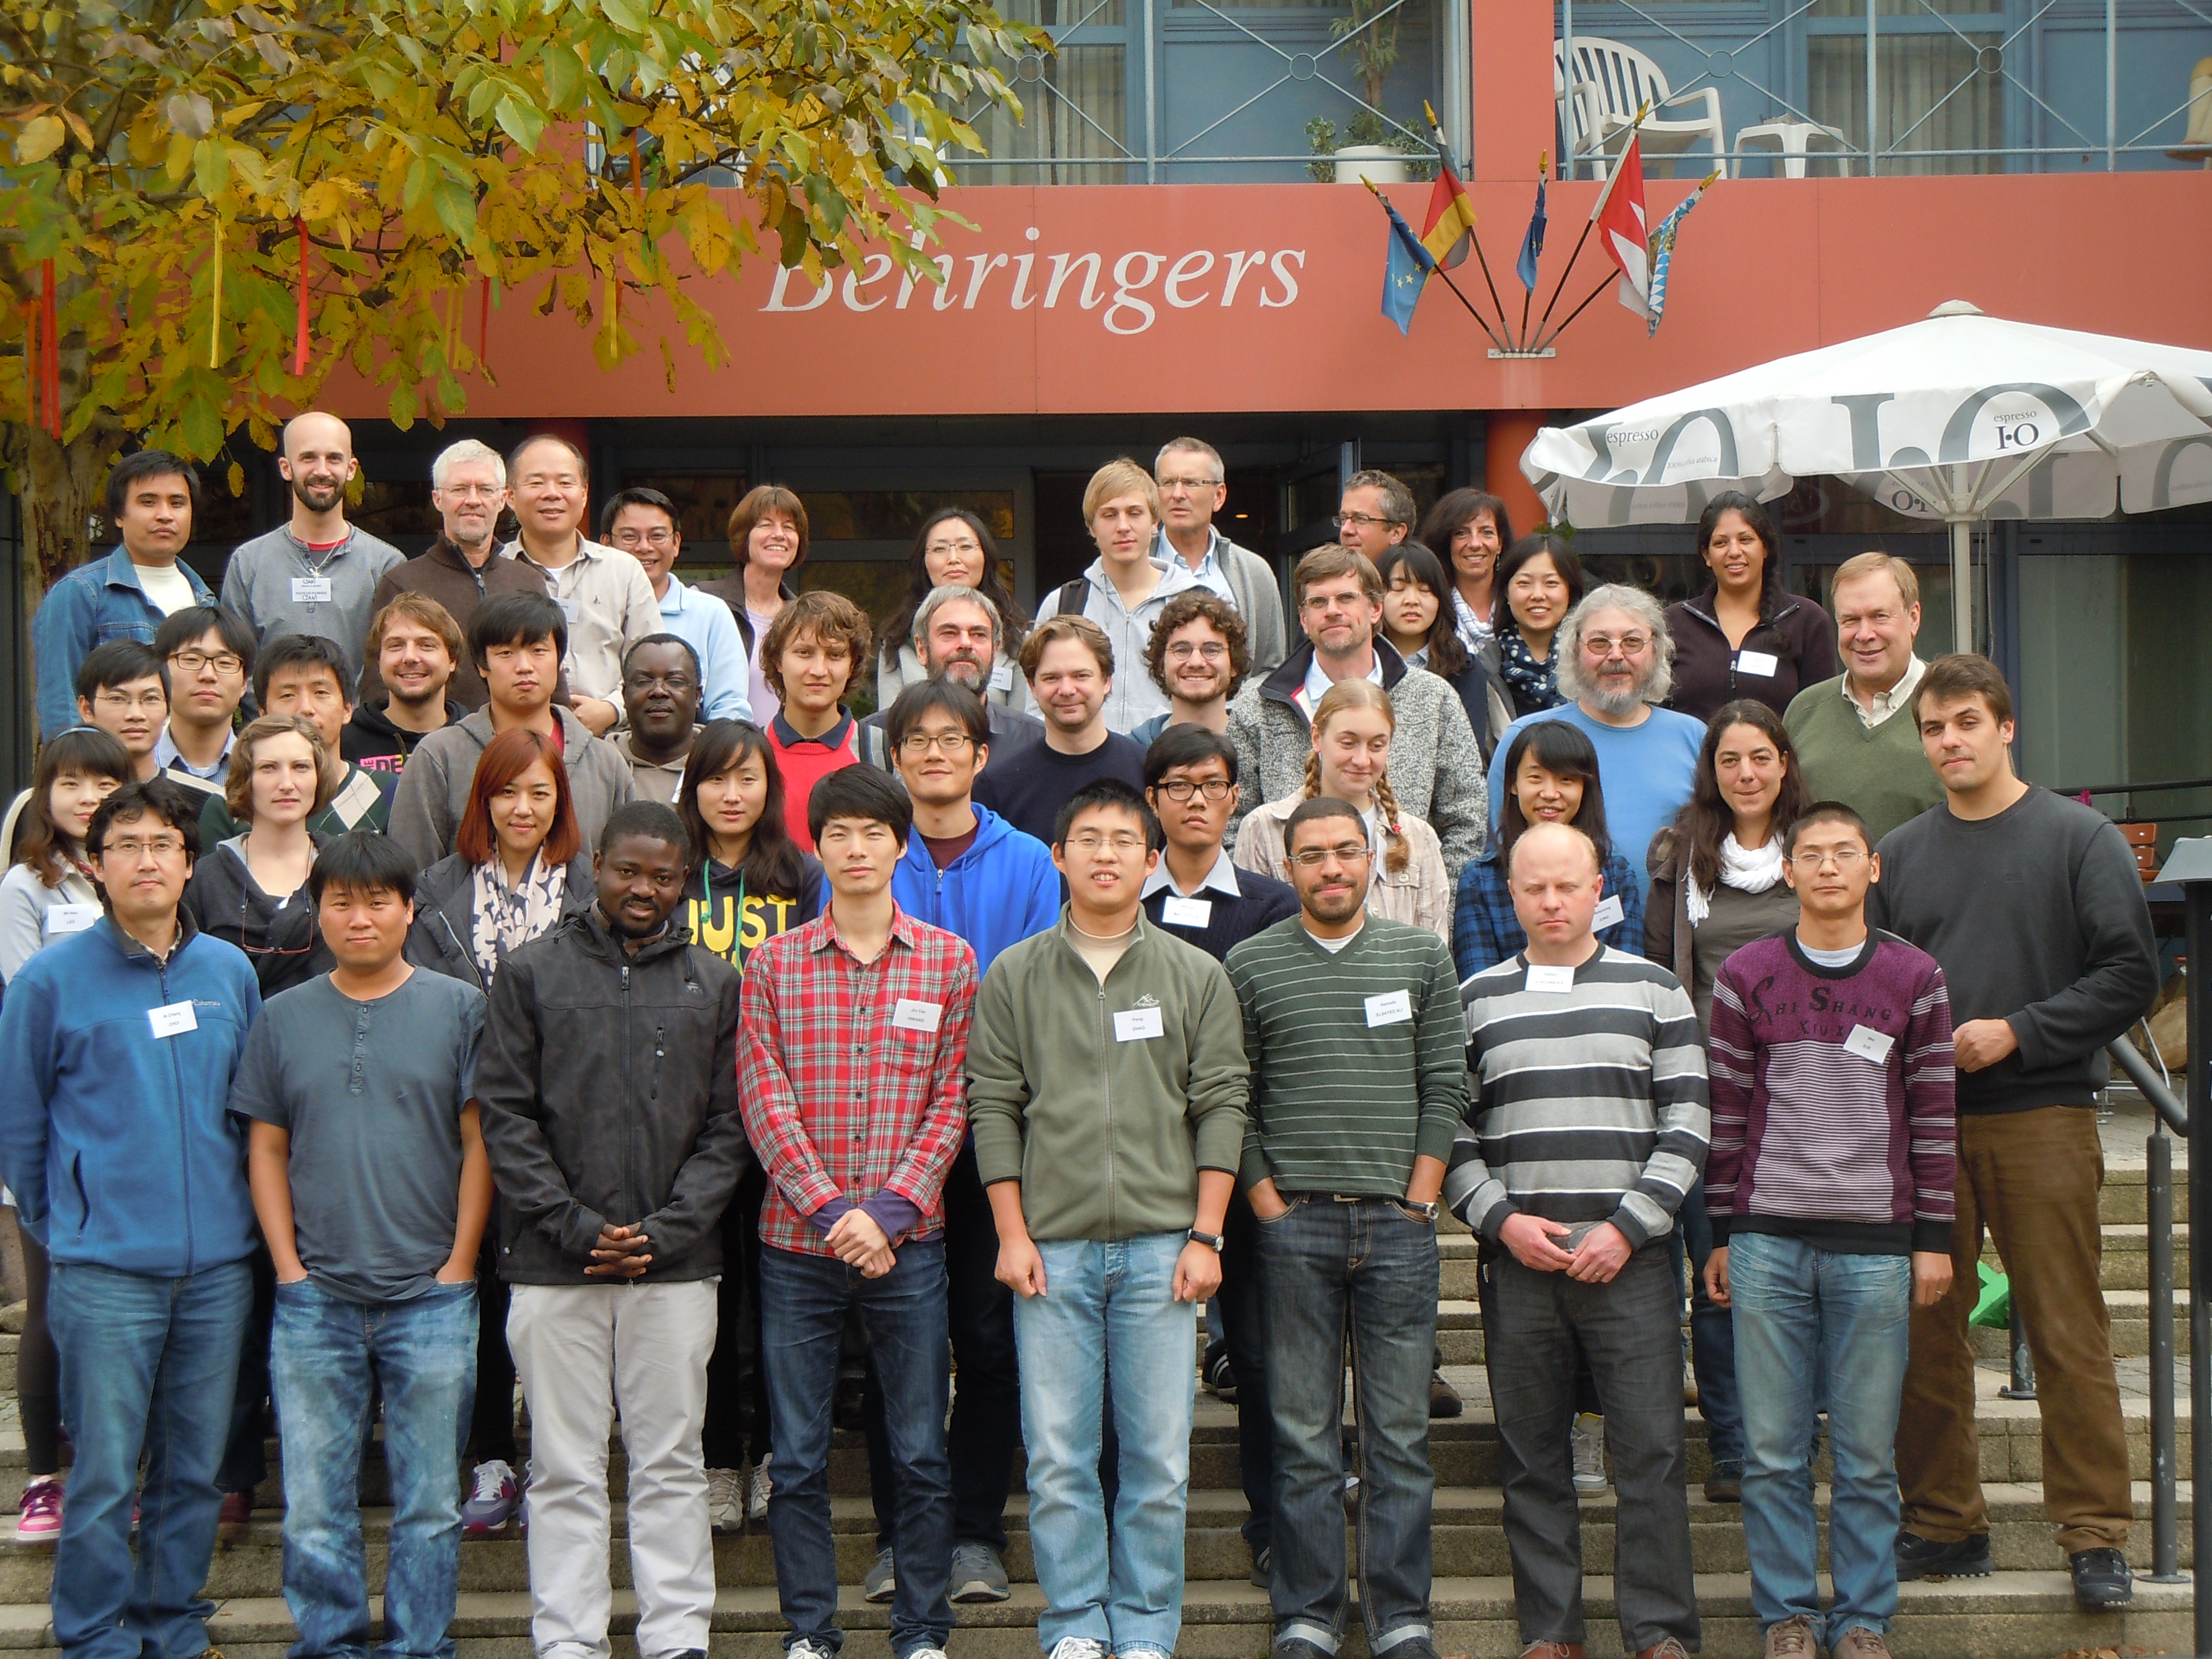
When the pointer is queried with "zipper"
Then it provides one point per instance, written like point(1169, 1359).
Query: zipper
point(630, 1106)
point(660, 1052)
point(177, 1076)
point(1106, 1075)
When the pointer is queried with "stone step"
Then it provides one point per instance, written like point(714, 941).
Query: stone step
point(2125, 1260)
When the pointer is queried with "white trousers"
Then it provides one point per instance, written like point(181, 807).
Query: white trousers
point(587, 1353)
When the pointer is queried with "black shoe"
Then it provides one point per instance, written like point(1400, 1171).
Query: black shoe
point(1220, 1377)
point(1924, 1558)
point(1725, 1484)
point(1443, 1399)
point(1295, 1647)
point(2102, 1580)
point(1263, 1567)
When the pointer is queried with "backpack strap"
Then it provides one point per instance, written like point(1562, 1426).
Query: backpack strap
point(1071, 597)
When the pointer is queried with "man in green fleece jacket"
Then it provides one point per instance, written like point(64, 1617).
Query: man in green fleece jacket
point(1106, 1087)
point(1359, 1083)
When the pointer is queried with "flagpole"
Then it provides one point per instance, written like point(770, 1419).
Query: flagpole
point(1437, 270)
point(1543, 165)
point(1603, 197)
point(1443, 152)
point(1611, 278)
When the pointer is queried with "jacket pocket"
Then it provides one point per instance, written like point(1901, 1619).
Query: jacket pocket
point(76, 1184)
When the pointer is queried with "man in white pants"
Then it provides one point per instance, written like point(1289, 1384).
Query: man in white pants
point(607, 1086)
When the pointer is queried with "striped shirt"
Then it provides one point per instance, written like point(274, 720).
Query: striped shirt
point(1358, 1066)
point(1589, 1101)
point(1833, 1119)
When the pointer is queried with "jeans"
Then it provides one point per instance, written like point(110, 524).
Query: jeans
point(1109, 1325)
point(1328, 1266)
point(1805, 1318)
point(1712, 1344)
point(1535, 1326)
point(148, 1365)
point(1244, 1330)
point(804, 1301)
point(325, 1355)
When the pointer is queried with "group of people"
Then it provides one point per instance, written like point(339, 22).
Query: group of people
point(547, 978)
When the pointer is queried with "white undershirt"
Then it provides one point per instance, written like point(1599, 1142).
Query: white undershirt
point(165, 585)
point(1843, 958)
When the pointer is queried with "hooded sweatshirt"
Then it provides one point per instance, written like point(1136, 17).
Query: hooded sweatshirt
point(1135, 699)
point(372, 743)
point(433, 790)
point(1003, 888)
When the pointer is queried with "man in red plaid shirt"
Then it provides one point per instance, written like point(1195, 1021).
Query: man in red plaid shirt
point(852, 1036)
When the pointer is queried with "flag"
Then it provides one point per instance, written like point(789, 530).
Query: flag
point(1623, 229)
point(1662, 248)
point(1450, 227)
point(1407, 270)
point(1532, 245)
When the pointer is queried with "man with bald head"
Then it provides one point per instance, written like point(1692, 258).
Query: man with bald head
point(315, 574)
point(1572, 1174)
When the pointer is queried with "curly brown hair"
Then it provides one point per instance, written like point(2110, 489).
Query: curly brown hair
point(831, 618)
point(1199, 605)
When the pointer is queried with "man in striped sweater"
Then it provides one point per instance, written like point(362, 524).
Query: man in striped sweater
point(1359, 1083)
point(1588, 1125)
point(1830, 1190)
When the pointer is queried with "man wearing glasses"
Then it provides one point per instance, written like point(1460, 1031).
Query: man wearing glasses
point(206, 653)
point(642, 523)
point(1193, 489)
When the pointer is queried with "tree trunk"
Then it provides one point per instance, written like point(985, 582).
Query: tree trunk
point(57, 500)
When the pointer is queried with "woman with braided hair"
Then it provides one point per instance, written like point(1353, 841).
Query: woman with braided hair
point(1352, 726)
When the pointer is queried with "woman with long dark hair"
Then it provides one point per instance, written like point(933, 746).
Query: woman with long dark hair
point(1540, 580)
point(1469, 530)
point(1417, 619)
point(1745, 635)
point(953, 549)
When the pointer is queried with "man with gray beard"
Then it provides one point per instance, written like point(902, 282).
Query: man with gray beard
point(1616, 662)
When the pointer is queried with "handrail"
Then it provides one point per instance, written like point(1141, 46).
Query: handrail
point(2154, 1088)
point(2072, 789)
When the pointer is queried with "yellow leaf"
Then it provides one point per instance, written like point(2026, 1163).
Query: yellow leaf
point(39, 139)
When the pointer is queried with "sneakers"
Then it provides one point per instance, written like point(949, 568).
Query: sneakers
point(1296, 1647)
point(882, 1581)
point(1219, 1377)
point(495, 1496)
point(1443, 1399)
point(1725, 1485)
point(1791, 1639)
point(1859, 1643)
point(235, 1519)
point(803, 1650)
point(927, 1650)
point(39, 1522)
point(758, 1491)
point(1671, 1648)
point(725, 1500)
point(1263, 1567)
point(977, 1574)
point(1921, 1558)
point(1076, 1647)
point(1548, 1649)
point(2101, 1579)
point(1587, 1437)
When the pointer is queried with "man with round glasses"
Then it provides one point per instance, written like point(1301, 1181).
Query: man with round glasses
point(206, 653)
point(642, 523)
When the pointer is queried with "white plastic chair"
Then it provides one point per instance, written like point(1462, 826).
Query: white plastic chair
point(1611, 81)
point(1792, 140)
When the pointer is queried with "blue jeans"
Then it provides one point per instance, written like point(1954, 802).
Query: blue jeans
point(1327, 1267)
point(148, 1365)
point(1109, 1312)
point(326, 1354)
point(1808, 1321)
point(803, 1303)
point(1712, 1344)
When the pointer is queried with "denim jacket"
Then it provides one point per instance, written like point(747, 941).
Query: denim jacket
point(99, 601)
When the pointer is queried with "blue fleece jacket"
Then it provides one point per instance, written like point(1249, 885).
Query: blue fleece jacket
point(118, 1144)
point(997, 893)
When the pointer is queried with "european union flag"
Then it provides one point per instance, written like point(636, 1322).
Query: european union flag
point(1532, 245)
point(1407, 270)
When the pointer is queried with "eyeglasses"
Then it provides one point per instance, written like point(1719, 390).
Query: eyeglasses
point(131, 846)
point(124, 700)
point(1604, 645)
point(970, 545)
point(643, 537)
point(1363, 519)
point(473, 492)
point(952, 744)
point(1194, 485)
point(1120, 843)
point(196, 662)
point(1184, 788)
point(1350, 852)
point(1844, 858)
point(1211, 650)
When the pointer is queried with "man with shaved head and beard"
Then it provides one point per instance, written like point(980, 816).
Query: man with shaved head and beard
point(315, 574)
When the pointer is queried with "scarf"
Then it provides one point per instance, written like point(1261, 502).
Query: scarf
point(1474, 632)
point(1754, 872)
point(505, 917)
point(1532, 684)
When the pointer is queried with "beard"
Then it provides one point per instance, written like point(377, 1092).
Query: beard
point(317, 498)
point(1615, 698)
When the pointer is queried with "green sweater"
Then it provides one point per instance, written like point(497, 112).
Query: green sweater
point(1359, 1057)
point(1105, 1102)
point(1882, 774)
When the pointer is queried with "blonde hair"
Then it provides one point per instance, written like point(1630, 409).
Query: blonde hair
point(1397, 851)
point(1877, 564)
point(1119, 478)
point(238, 787)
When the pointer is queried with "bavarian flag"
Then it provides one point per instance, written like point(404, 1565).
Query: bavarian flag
point(1450, 227)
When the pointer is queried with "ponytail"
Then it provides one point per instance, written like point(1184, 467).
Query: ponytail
point(1397, 851)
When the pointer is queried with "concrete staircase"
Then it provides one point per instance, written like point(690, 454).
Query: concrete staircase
point(2024, 1611)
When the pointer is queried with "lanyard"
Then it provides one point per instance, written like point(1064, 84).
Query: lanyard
point(738, 917)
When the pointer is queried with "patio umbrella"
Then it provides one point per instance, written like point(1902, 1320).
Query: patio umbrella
point(1961, 417)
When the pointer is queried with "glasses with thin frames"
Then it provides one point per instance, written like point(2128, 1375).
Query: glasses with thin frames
point(124, 700)
point(473, 492)
point(1844, 858)
point(1363, 519)
point(1604, 645)
point(1194, 485)
point(161, 846)
point(953, 743)
point(1348, 852)
point(1182, 789)
point(1121, 842)
point(643, 537)
point(1184, 650)
point(194, 662)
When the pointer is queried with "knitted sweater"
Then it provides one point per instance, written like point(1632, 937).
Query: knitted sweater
point(1882, 774)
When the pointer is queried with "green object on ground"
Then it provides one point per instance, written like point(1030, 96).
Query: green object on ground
point(1994, 1309)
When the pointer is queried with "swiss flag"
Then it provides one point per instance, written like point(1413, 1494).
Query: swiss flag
point(1624, 231)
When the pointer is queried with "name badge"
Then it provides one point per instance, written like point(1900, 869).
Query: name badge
point(1761, 663)
point(173, 1020)
point(1869, 1044)
point(1391, 1008)
point(1138, 1025)
point(310, 590)
point(1180, 912)
point(352, 803)
point(1607, 913)
point(909, 1015)
point(1552, 981)
point(71, 918)
point(1002, 677)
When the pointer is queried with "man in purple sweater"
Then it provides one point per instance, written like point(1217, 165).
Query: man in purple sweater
point(1829, 1184)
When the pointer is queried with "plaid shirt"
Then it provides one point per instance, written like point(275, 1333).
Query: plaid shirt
point(845, 1094)
point(1485, 928)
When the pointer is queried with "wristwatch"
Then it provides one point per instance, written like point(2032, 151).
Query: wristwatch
point(1426, 1212)
point(1213, 1241)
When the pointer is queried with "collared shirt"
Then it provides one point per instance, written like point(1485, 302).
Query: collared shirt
point(1222, 878)
point(168, 758)
point(604, 593)
point(1885, 703)
point(850, 1075)
point(804, 762)
point(1207, 571)
point(706, 625)
point(1317, 682)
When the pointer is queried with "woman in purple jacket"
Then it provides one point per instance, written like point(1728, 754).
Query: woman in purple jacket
point(1744, 636)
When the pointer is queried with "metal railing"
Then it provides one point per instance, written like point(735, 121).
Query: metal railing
point(2158, 1214)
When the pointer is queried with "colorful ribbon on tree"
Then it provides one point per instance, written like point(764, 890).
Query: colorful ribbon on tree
point(42, 355)
point(214, 311)
point(300, 333)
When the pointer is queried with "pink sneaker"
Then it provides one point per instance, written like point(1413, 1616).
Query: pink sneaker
point(39, 1522)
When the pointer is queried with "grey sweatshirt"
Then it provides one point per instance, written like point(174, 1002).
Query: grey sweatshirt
point(434, 788)
point(279, 586)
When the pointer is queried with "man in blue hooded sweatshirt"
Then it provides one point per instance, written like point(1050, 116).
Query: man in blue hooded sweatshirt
point(117, 1048)
point(970, 872)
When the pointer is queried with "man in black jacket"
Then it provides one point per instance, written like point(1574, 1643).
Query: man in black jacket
point(607, 1087)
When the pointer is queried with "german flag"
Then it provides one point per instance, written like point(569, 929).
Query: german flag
point(1449, 228)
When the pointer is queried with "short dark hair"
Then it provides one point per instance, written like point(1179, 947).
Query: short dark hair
point(298, 651)
point(650, 819)
point(118, 662)
point(149, 464)
point(860, 792)
point(1312, 812)
point(637, 495)
point(1188, 744)
point(1965, 674)
point(1107, 791)
point(164, 798)
point(698, 672)
point(361, 860)
point(946, 697)
point(1826, 811)
point(517, 619)
point(195, 622)
point(515, 456)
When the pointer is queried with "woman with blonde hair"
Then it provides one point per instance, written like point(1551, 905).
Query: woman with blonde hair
point(1352, 726)
point(252, 890)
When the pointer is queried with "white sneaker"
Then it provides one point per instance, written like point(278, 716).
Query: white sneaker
point(1587, 1437)
point(925, 1651)
point(756, 1496)
point(807, 1650)
point(1077, 1647)
point(725, 1500)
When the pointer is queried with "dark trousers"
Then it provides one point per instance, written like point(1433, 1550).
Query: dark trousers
point(1244, 1330)
point(737, 1381)
point(1535, 1327)
point(491, 1416)
point(1712, 1339)
point(246, 1452)
point(38, 1368)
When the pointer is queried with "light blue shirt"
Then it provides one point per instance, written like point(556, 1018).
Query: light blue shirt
point(1644, 772)
point(1317, 682)
point(706, 626)
point(167, 757)
point(1208, 572)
